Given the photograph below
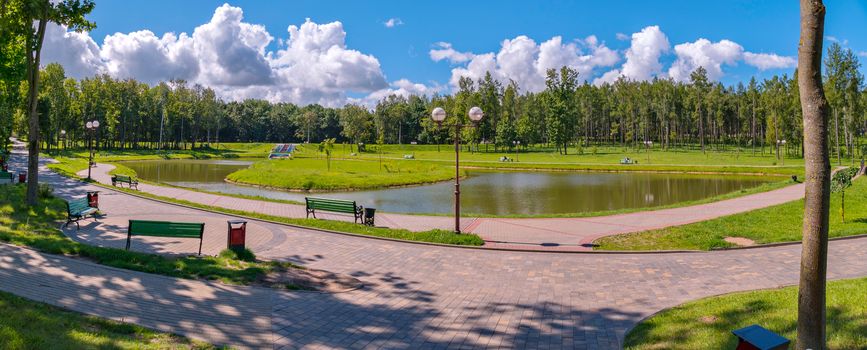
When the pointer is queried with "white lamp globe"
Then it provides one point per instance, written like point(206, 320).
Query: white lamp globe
point(89, 125)
point(438, 115)
point(476, 114)
point(96, 123)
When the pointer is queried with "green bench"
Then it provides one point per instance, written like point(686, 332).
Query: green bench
point(124, 179)
point(78, 209)
point(165, 229)
point(6, 177)
point(333, 205)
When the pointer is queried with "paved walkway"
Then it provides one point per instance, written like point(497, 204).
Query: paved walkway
point(416, 296)
point(561, 234)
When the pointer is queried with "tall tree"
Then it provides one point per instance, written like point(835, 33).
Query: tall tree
point(29, 19)
point(814, 251)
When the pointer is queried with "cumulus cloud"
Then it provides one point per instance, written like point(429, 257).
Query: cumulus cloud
point(402, 87)
point(622, 37)
point(523, 60)
point(76, 52)
point(764, 61)
point(444, 51)
point(862, 54)
point(704, 53)
point(642, 57)
point(229, 55)
point(392, 22)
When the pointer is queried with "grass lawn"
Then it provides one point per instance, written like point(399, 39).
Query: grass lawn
point(36, 227)
point(312, 174)
point(223, 150)
point(780, 223)
point(27, 324)
point(707, 323)
point(602, 158)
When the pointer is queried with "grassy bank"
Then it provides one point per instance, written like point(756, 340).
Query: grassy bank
point(223, 150)
point(36, 227)
point(780, 223)
point(313, 174)
point(707, 323)
point(31, 325)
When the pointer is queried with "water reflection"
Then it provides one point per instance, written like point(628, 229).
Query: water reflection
point(483, 192)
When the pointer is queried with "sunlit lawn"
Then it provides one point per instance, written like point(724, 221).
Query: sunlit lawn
point(707, 323)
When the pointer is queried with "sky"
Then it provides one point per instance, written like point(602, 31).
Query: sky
point(337, 52)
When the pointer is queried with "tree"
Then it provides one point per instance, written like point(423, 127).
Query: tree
point(817, 198)
point(326, 146)
point(356, 123)
point(29, 18)
point(698, 80)
point(839, 183)
point(560, 97)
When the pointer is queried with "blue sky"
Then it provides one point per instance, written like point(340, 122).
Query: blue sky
point(403, 51)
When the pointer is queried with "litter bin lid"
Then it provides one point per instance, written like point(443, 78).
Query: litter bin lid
point(760, 337)
point(237, 221)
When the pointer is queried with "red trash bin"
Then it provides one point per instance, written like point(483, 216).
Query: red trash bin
point(237, 235)
point(93, 199)
point(22, 177)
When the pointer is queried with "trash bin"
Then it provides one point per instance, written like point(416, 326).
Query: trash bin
point(93, 199)
point(22, 177)
point(237, 235)
point(369, 215)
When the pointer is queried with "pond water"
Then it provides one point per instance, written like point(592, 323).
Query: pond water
point(483, 192)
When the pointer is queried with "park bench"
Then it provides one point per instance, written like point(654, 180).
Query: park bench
point(333, 205)
point(627, 160)
point(128, 180)
point(165, 229)
point(78, 209)
point(6, 177)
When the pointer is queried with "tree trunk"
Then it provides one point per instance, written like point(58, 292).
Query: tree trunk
point(814, 254)
point(32, 99)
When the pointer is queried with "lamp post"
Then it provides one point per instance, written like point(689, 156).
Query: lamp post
point(647, 145)
point(439, 115)
point(782, 159)
point(91, 129)
point(63, 138)
point(517, 147)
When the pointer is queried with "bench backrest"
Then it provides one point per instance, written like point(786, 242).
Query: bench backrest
point(327, 204)
point(76, 206)
point(166, 229)
point(6, 175)
point(123, 178)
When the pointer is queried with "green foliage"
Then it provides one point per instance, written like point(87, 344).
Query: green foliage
point(242, 255)
point(31, 325)
point(707, 323)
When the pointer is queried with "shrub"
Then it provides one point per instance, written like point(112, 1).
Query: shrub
point(243, 255)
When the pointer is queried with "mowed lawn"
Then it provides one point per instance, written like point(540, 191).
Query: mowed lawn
point(26, 324)
point(707, 323)
point(313, 174)
point(780, 223)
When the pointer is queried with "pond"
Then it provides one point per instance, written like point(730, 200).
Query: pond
point(483, 192)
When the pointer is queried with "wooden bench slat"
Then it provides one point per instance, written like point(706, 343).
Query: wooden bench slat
point(165, 229)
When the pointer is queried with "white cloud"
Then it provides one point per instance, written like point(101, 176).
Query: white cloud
point(844, 42)
point(523, 60)
point(76, 52)
point(764, 61)
point(642, 57)
point(402, 87)
point(313, 65)
point(862, 54)
point(444, 51)
point(392, 22)
point(703, 53)
point(144, 56)
point(622, 37)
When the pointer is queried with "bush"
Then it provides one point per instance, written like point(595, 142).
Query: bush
point(243, 255)
point(45, 191)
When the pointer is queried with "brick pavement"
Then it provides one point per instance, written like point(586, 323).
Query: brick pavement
point(416, 296)
point(565, 234)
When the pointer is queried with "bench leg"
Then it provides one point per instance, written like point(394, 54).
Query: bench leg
point(200, 246)
point(127, 240)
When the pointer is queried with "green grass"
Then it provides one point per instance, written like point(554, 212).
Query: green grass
point(780, 223)
point(36, 227)
point(223, 150)
point(707, 323)
point(312, 174)
point(27, 324)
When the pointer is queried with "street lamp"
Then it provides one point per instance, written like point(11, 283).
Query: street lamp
point(647, 145)
point(438, 115)
point(63, 138)
point(91, 128)
point(517, 145)
point(783, 159)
